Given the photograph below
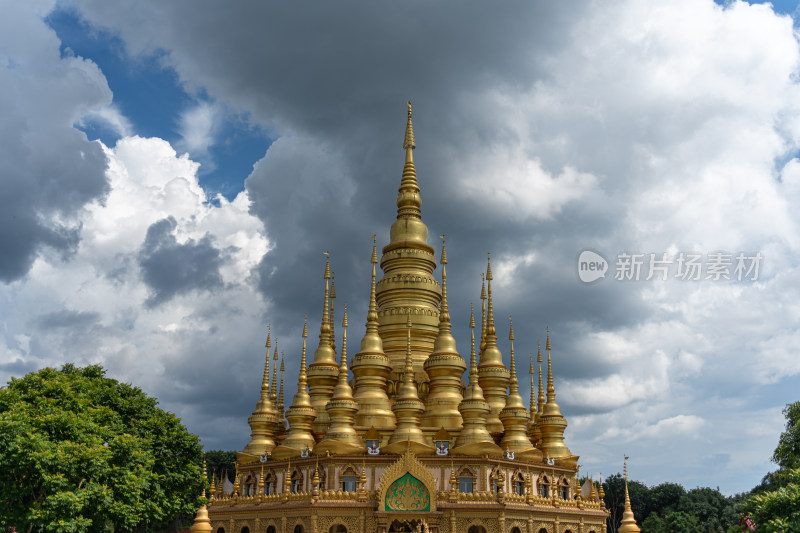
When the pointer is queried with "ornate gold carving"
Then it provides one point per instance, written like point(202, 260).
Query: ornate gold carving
point(407, 464)
point(407, 494)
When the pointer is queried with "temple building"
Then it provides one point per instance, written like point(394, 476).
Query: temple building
point(422, 437)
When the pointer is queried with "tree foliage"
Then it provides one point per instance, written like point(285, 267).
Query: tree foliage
point(669, 507)
point(80, 452)
point(220, 461)
point(775, 504)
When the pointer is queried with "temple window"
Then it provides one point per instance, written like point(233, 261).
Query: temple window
point(466, 484)
point(297, 482)
point(519, 485)
point(349, 480)
point(565, 493)
point(544, 487)
point(269, 484)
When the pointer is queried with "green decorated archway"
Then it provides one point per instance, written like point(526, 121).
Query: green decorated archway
point(408, 494)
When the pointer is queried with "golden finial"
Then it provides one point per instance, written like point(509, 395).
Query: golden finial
point(514, 384)
point(483, 313)
point(280, 394)
point(625, 467)
point(273, 393)
point(265, 379)
point(202, 524)
point(333, 328)
point(551, 390)
point(628, 524)
point(408, 142)
point(343, 363)
point(533, 389)
point(540, 402)
point(302, 376)
point(473, 364)
point(269, 332)
point(325, 326)
point(205, 475)
point(444, 314)
point(490, 330)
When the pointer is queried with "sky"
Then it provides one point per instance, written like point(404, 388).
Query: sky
point(172, 173)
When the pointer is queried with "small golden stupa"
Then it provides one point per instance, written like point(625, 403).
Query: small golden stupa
point(409, 443)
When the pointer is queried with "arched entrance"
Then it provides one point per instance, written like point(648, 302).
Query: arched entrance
point(400, 525)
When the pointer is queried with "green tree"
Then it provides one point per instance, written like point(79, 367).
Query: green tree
point(787, 454)
point(614, 488)
point(80, 452)
point(775, 504)
point(666, 497)
point(220, 461)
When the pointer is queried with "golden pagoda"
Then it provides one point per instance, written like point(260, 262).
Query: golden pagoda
point(410, 443)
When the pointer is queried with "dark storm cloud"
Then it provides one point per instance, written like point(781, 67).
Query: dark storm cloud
point(49, 171)
point(68, 319)
point(333, 84)
point(170, 268)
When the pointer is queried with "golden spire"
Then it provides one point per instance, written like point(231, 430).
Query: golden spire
point(323, 372)
point(212, 491)
point(532, 402)
point(483, 313)
point(494, 377)
point(551, 390)
point(408, 409)
point(202, 524)
point(333, 297)
point(273, 391)
point(280, 394)
point(444, 366)
point(300, 415)
point(540, 403)
point(371, 368)
point(534, 430)
point(551, 422)
point(515, 416)
point(265, 380)
point(264, 418)
point(628, 524)
point(408, 285)
point(474, 438)
point(341, 438)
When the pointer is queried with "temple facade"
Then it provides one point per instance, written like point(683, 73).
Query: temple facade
point(421, 438)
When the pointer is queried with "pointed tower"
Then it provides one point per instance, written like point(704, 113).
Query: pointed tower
point(333, 328)
point(341, 437)
point(408, 287)
point(408, 409)
point(515, 416)
point(323, 372)
point(263, 420)
point(202, 524)
point(371, 369)
point(493, 374)
point(281, 407)
point(300, 415)
point(273, 391)
point(628, 524)
point(482, 345)
point(551, 422)
point(444, 367)
point(474, 439)
point(534, 431)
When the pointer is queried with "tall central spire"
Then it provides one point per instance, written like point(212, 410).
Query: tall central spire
point(408, 286)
